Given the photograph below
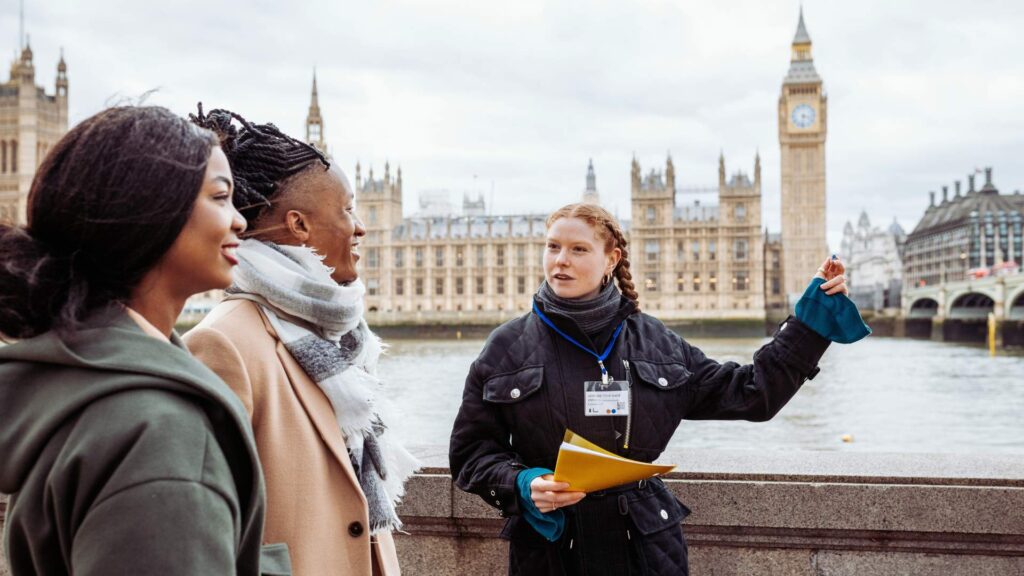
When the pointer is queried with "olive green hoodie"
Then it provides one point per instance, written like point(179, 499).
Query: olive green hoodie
point(125, 455)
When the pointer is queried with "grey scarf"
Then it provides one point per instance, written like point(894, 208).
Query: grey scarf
point(321, 325)
point(592, 316)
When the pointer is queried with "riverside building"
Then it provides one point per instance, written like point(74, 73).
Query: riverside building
point(31, 122)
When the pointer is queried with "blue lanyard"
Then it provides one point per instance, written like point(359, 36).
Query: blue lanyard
point(600, 357)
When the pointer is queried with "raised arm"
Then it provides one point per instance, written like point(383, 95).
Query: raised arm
point(757, 391)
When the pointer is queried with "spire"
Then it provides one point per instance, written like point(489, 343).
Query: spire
point(801, 37)
point(801, 64)
point(314, 103)
point(757, 168)
point(314, 122)
point(590, 195)
point(721, 168)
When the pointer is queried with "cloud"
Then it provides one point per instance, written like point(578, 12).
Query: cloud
point(522, 93)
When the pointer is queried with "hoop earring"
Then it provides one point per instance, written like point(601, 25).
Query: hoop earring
point(607, 279)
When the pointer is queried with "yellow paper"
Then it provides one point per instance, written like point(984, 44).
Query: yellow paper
point(587, 467)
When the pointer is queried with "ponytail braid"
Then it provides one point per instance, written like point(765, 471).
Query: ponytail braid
point(623, 276)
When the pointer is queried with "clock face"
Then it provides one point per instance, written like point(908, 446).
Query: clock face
point(803, 116)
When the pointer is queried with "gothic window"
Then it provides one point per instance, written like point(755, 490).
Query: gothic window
point(399, 287)
point(680, 251)
point(480, 285)
point(740, 212)
point(652, 248)
point(372, 286)
point(500, 289)
point(3, 146)
point(696, 281)
point(739, 250)
point(712, 249)
point(439, 286)
point(712, 281)
point(419, 257)
point(372, 257)
point(500, 255)
point(419, 286)
point(651, 282)
point(14, 156)
point(460, 286)
point(439, 256)
point(399, 257)
point(741, 282)
point(695, 250)
point(680, 282)
point(480, 256)
point(460, 259)
point(776, 286)
point(521, 285)
point(520, 255)
point(651, 214)
point(373, 216)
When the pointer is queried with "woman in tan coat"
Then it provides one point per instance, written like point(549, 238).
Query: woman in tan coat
point(290, 340)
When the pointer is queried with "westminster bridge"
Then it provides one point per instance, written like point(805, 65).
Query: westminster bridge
point(959, 311)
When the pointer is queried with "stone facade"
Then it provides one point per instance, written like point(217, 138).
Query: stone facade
point(803, 123)
point(698, 253)
point(31, 122)
point(448, 267)
point(873, 263)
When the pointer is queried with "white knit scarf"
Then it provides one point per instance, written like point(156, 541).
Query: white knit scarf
point(321, 324)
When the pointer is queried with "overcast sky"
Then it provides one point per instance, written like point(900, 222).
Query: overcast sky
point(521, 93)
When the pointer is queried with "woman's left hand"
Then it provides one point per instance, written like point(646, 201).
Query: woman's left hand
point(834, 274)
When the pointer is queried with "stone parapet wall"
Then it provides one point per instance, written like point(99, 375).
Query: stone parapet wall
point(774, 513)
point(810, 513)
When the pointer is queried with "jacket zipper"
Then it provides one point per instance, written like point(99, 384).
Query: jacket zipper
point(629, 405)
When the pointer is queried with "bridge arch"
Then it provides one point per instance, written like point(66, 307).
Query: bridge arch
point(924, 308)
point(971, 306)
point(1015, 308)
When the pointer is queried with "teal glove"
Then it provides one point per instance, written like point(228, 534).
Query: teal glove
point(550, 525)
point(834, 317)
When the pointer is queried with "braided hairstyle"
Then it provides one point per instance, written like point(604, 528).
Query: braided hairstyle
point(262, 158)
point(608, 229)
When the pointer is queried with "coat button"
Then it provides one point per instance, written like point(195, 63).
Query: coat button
point(515, 393)
point(355, 529)
point(493, 493)
point(783, 327)
point(497, 503)
point(662, 382)
point(664, 515)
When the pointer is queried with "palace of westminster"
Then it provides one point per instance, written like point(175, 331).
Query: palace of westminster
point(693, 255)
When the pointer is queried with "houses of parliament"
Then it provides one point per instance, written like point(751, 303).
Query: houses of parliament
point(696, 253)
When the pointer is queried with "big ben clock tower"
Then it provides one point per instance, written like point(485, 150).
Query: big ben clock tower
point(803, 115)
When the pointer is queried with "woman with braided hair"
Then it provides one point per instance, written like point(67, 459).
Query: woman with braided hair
point(586, 334)
point(291, 341)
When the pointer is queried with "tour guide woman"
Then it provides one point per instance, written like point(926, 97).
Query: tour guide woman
point(121, 452)
point(528, 386)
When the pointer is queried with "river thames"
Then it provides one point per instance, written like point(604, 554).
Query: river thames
point(886, 394)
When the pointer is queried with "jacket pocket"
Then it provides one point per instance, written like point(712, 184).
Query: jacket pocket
point(513, 387)
point(662, 375)
point(275, 560)
point(659, 511)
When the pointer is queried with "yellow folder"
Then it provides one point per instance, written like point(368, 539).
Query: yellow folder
point(587, 467)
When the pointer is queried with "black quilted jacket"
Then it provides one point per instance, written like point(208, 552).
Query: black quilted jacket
point(526, 389)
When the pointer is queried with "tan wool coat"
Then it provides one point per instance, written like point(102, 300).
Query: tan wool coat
point(314, 502)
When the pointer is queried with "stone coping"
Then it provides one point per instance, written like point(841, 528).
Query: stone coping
point(1005, 470)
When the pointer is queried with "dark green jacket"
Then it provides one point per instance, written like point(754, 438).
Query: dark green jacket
point(125, 455)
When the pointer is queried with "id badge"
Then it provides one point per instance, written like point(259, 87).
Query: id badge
point(606, 399)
